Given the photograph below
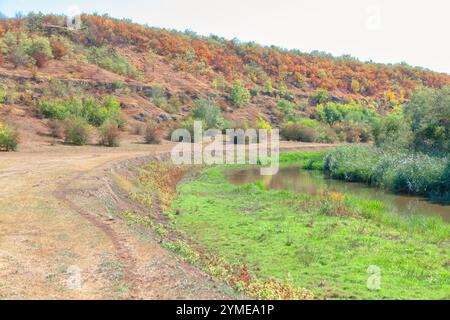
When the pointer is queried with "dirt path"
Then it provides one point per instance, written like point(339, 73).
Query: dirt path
point(59, 224)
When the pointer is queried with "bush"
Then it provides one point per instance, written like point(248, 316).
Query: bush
point(409, 173)
point(9, 137)
point(152, 134)
point(109, 134)
point(353, 132)
point(93, 111)
point(56, 128)
point(320, 97)
point(40, 50)
point(77, 131)
point(58, 48)
point(209, 113)
point(351, 163)
point(159, 97)
point(299, 132)
point(392, 131)
point(240, 95)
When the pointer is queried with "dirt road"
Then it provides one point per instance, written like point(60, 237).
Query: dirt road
point(61, 239)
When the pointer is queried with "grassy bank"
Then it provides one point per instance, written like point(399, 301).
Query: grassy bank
point(324, 243)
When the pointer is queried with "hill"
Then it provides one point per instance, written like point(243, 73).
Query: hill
point(160, 74)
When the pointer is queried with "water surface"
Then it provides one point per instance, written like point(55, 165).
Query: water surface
point(313, 182)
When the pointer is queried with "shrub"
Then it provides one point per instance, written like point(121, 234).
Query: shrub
point(351, 163)
point(353, 132)
point(109, 134)
point(392, 131)
point(413, 173)
point(287, 108)
point(9, 137)
point(40, 50)
point(240, 95)
point(211, 115)
point(56, 128)
point(320, 97)
point(262, 124)
point(299, 132)
point(152, 134)
point(159, 97)
point(58, 48)
point(77, 131)
point(326, 135)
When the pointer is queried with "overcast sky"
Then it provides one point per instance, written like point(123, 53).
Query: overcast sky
point(390, 31)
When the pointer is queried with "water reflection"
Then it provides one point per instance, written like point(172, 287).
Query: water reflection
point(312, 182)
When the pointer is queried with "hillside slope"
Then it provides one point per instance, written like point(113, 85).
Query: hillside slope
point(42, 59)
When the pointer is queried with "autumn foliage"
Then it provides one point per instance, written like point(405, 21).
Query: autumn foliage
point(250, 63)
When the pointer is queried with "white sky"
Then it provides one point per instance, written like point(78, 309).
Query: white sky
point(389, 31)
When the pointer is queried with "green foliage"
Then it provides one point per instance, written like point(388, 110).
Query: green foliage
point(397, 171)
point(40, 50)
point(334, 112)
point(262, 124)
point(320, 97)
point(429, 115)
point(392, 131)
point(93, 111)
point(159, 97)
point(287, 107)
point(240, 96)
point(351, 163)
point(256, 227)
point(16, 46)
point(77, 131)
point(109, 59)
point(211, 115)
point(9, 137)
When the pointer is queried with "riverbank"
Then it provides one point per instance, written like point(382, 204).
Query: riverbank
point(270, 243)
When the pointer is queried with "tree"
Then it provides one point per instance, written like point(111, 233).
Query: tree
point(429, 114)
point(240, 95)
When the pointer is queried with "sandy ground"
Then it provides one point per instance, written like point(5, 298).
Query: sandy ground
point(60, 237)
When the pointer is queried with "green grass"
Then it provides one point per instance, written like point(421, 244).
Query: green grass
point(280, 234)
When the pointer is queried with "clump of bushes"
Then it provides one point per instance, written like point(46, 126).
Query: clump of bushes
point(9, 137)
point(93, 111)
point(77, 131)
